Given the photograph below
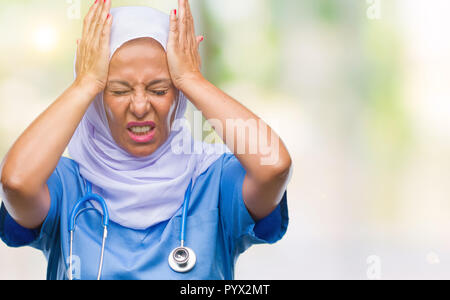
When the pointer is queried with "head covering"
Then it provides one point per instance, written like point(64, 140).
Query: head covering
point(139, 192)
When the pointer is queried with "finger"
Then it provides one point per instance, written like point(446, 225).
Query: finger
point(106, 33)
point(181, 9)
point(200, 39)
point(182, 23)
point(189, 16)
point(102, 23)
point(96, 20)
point(187, 7)
point(173, 33)
point(190, 33)
point(78, 47)
point(98, 11)
point(88, 19)
point(78, 55)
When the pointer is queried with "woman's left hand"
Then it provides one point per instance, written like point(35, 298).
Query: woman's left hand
point(182, 48)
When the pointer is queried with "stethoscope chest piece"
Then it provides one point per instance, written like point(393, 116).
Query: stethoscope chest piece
point(182, 259)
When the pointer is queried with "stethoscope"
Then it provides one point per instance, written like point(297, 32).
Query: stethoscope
point(182, 259)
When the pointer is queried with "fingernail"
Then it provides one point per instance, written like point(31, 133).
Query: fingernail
point(201, 39)
point(175, 11)
point(96, 1)
point(108, 16)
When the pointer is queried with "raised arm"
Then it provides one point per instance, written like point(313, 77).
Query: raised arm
point(35, 155)
point(258, 148)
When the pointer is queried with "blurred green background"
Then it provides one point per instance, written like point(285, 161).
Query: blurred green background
point(357, 90)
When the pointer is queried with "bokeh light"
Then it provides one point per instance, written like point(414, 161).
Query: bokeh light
point(45, 38)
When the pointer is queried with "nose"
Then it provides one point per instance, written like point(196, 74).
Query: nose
point(139, 104)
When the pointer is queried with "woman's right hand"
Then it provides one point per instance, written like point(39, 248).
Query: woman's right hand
point(93, 49)
point(33, 158)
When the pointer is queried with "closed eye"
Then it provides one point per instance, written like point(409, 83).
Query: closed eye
point(158, 93)
point(161, 93)
point(119, 93)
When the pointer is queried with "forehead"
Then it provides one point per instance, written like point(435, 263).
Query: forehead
point(139, 55)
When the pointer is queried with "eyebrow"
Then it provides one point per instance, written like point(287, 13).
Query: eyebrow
point(153, 82)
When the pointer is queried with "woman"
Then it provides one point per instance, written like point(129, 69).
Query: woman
point(122, 119)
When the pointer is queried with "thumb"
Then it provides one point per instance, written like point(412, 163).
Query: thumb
point(200, 39)
point(78, 47)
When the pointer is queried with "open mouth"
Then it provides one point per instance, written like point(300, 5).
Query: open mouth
point(142, 134)
point(141, 131)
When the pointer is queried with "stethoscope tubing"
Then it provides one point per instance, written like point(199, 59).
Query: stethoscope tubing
point(77, 210)
point(184, 214)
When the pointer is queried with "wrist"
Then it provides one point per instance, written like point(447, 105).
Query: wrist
point(87, 87)
point(187, 82)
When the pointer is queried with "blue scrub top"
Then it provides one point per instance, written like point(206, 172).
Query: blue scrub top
point(219, 228)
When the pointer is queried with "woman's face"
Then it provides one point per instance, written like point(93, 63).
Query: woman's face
point(139, 98)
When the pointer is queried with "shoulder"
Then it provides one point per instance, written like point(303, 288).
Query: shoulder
point(226, 162)
point(66, 176)
point(232, 171)
point(66, 168)
point(230, 162)
point(226, 166)
point(67, 164)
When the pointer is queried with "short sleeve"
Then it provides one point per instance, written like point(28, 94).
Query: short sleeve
point(239, 225)
point(14, 235)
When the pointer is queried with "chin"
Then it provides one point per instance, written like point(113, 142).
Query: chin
point(142, 151)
